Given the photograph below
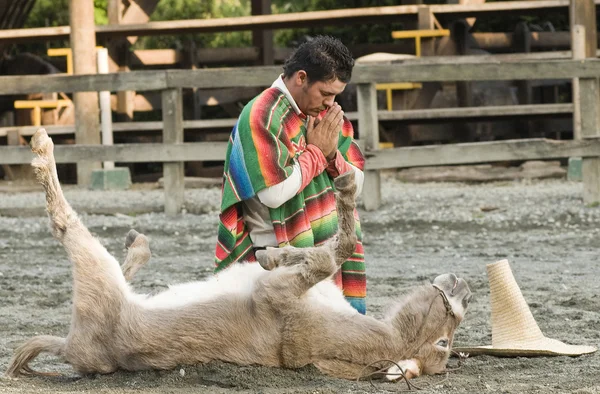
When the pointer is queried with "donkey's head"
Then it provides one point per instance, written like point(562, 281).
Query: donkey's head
point(426, 320)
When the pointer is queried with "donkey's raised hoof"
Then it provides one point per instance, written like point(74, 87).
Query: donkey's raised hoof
point(138, 253)
point(344, 181)
point(130, 238)
point(41, 144)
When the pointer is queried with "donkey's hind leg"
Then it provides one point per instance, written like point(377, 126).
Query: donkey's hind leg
point(99, 288)
point(97, 276)
point(138, 254)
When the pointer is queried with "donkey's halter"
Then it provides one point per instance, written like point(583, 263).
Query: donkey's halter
point(446, 301)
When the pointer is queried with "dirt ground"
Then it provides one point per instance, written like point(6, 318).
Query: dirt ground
point(542, 227)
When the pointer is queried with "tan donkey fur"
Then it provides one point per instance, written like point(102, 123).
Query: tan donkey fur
point(285, 312)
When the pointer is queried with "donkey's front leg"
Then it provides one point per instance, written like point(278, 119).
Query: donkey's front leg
point(345, 205)
point(305, 267)
point(298, 269)
point(341, 246)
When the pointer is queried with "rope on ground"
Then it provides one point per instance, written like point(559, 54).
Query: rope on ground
point(410, 385)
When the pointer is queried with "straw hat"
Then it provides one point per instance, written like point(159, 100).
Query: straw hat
point(514, 330)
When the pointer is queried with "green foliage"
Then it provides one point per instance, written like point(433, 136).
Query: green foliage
point(198, 9)
point(48, 13)
point(56, 13)
point(100, 14)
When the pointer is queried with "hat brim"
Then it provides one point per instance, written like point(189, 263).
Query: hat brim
point(565, 350)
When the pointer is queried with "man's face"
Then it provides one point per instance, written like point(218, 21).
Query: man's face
point(313, 98)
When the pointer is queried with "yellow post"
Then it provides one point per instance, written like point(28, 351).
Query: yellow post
point(37, 105)
point(389, 87)
point(65, 52)
point(417, 35)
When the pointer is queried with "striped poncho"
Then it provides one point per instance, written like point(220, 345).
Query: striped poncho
point(269, 134)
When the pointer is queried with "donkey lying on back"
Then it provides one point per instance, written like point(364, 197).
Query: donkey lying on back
point(284, 312)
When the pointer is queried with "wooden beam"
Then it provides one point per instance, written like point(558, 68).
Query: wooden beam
point(368, 131)
point(432, 155)
point(416, 116)
point(114, 11)
point(152, 80)
point(135, 11)
point(477, 113)
point(150, 57)
point(424, 72)
point(425, 23)
point(461, 38)
point(578, 51)
point(225, 95)
point(539, 40)
point(28, 131)
point(522, 43)
point(254, 76)
point(123, 153)
point(263, 38)
point(226, 55)
point(492, 58)
point(261, 76)
point(409, 72)
point(87, 112)
point(153, 57)
point(292, 20)
point(172, 113)
point(481, 152)
point(583, 16)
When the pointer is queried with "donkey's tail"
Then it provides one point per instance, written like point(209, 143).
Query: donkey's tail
point(30, 350)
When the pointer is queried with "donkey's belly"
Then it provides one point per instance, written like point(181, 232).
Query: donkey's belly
point(326, 295)
point(239, 279)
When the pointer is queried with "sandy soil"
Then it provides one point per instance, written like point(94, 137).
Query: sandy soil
point(550, 238)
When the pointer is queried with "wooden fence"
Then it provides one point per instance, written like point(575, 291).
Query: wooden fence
point(173, 152)
point(295, 20)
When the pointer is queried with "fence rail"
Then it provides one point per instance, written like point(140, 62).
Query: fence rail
point(263, 76)
point(415, 115)
point(417, 156)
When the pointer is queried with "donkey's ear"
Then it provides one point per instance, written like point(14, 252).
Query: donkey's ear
point(269, 258)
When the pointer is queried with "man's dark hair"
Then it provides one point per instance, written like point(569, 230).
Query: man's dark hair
point(324, 58)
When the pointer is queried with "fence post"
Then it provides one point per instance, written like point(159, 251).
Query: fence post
point(578, 53)
point(172, 114)
point(368, 128)
point(105, 110)
point(83, 46)
point(583, 28)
